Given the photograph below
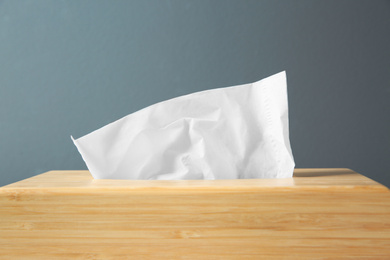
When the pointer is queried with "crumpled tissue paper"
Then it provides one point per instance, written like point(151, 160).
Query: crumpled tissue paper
point(238, 132)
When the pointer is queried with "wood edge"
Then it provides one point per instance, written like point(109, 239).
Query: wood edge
point(219, 185)
point(205, 189)
point(24, 180)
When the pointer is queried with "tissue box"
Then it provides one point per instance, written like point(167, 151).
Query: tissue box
point(319, 213)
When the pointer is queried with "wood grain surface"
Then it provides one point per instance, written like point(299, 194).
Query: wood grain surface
point(317, 214)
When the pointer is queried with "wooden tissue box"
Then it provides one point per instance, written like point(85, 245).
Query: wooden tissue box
point(317, 214)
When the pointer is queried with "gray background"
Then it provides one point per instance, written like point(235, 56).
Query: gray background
point(70, 67)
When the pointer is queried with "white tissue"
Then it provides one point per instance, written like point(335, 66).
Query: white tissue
point(236, 132)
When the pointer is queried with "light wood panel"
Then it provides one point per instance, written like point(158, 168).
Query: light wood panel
point(317, 214)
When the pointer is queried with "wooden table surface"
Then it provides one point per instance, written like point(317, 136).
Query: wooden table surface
point(317, 214)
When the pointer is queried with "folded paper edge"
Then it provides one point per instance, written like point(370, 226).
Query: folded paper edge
point(91, 170)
